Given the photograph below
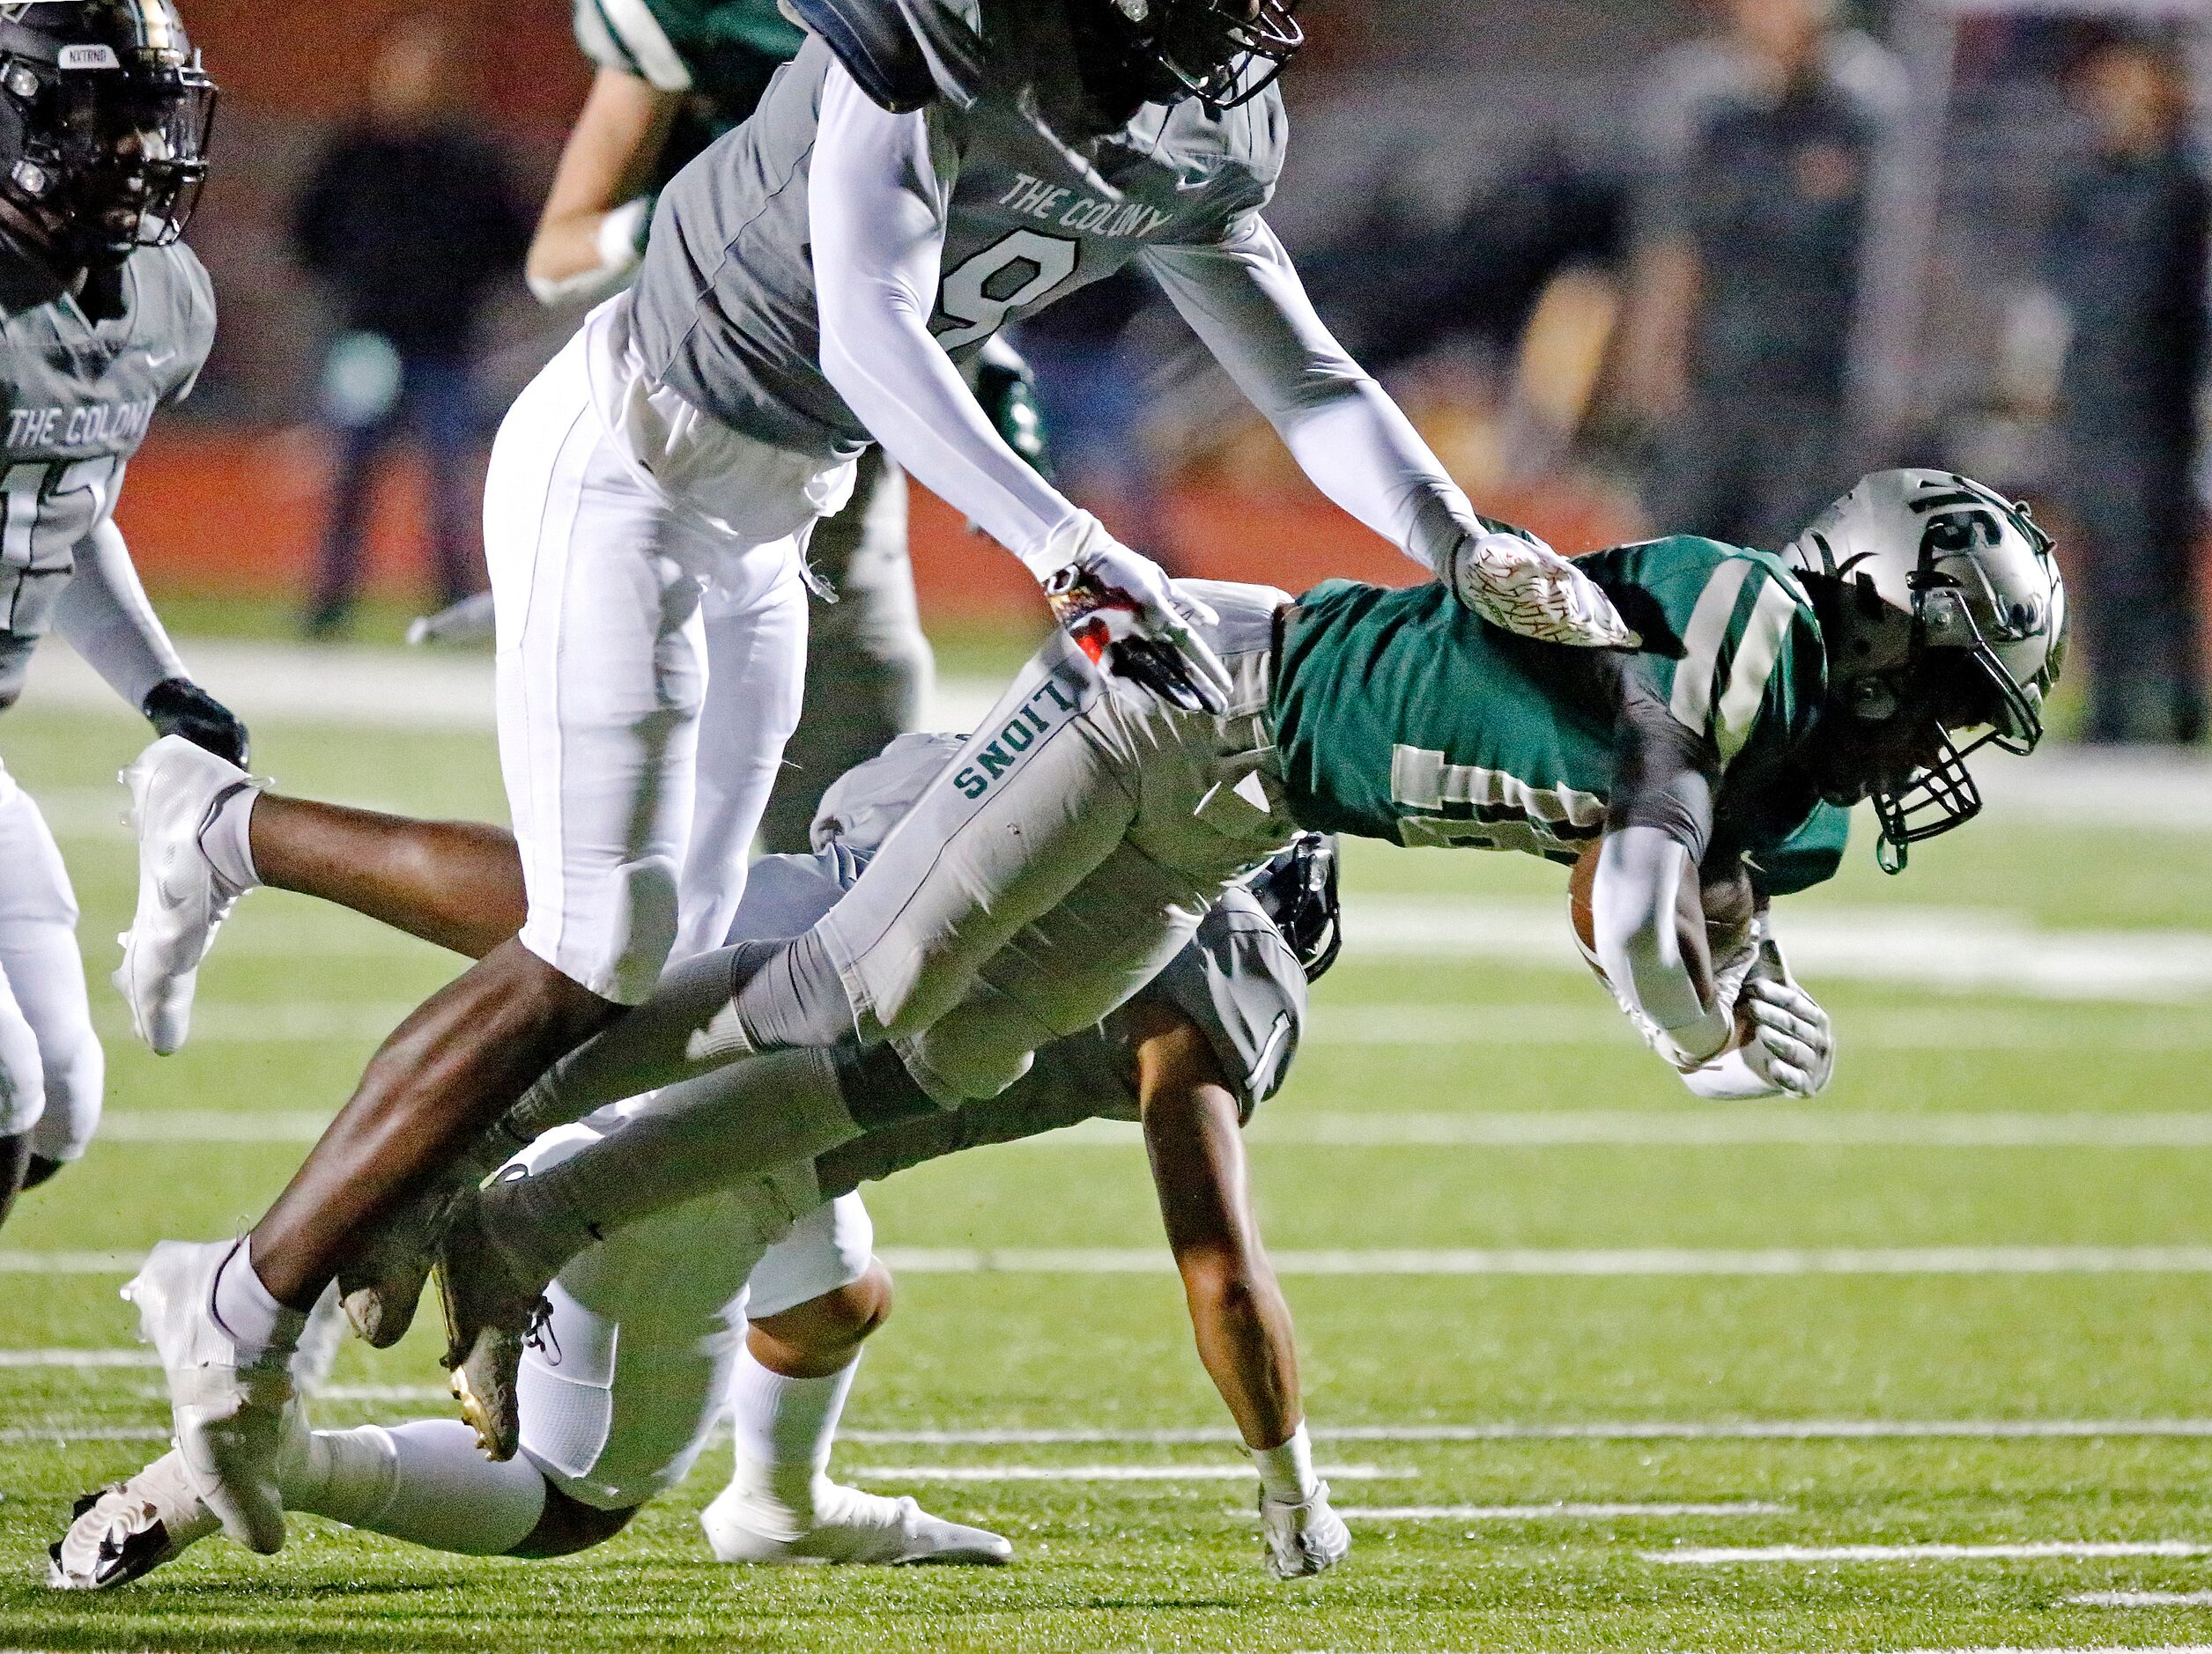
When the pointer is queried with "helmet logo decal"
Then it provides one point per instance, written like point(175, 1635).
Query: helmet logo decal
point(89, 58)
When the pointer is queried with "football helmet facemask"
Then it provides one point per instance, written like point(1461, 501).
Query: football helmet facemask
point(1945, 615)
point(1298, 890)
point(104, 119)
point(1222, 52)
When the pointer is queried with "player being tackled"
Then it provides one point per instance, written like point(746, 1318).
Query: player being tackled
point(1066, 850)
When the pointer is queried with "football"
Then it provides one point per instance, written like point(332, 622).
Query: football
point(1722, 906)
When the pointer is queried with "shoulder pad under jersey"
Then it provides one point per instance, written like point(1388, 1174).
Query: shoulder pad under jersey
point(902, 54)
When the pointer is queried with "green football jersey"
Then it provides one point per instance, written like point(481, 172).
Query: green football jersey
point(1400, 715)
point(720, 51)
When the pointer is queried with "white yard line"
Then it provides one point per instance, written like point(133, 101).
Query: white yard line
point(1564, 1510)
point(1600, 1430)
point(405, 689)
point(1721, 1126)
point(1972, 950)
point(25, 1263)
point(1598, 1262)
point(80, 1360)
point(1585, 1017)
point(2057, 1550)
point(1108, 1472)
point(2140, 1599)
point(1626, 1262)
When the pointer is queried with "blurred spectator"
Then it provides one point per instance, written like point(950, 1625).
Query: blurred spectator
point(409, 220)
point(1761, 145)
point(2126, 255)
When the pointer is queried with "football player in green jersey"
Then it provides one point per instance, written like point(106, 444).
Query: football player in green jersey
point(1065, 852)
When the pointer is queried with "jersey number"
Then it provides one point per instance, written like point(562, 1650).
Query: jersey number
point(1015, 271)
point(47, 509)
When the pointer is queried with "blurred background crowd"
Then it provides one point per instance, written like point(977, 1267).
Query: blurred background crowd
point(1632, 265)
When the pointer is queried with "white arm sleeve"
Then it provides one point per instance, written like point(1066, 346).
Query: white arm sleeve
point(104, 613)
point(1640, 876)
point(876, 209)
point(1244, 299)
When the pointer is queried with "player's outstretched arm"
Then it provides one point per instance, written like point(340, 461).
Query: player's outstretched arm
point(876, 205)
point(1244, 299)
point(105, 615)
point(592, 232)
point(1237, 1309)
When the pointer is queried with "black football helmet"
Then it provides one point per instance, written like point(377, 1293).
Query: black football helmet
point(1222, 52)
point(1297, 889)
point(104, 119)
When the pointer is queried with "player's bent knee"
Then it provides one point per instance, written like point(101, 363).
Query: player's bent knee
point(569, 1525)
point(825, 1330)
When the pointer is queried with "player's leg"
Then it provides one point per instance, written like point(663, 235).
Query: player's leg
point(51, 1069)
point(45, 973)
point(868, 664)
point(208, 832)
point(814, 1299)
point(599, 683)
point(755, 623)
point(22, 1099)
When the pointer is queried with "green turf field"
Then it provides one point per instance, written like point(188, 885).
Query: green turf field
point(1597, 1293)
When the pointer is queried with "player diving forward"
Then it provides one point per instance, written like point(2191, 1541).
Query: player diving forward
point(1072, 843)
point(641, 1340)
point(105, 317)
point(916, 178)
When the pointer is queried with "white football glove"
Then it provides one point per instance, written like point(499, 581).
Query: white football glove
point(1518, 583)
point(1303, 1538)
point(1791, 1050)
point(1124, 613)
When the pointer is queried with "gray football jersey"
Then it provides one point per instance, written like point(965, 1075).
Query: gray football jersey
point(1238, 980)
point(724, 308)
point(75, 398)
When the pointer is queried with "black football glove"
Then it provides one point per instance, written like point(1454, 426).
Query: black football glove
point(178, 706)
point(1008, 390)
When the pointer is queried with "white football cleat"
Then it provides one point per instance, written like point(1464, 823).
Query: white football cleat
point(125, 1531)
point(230, 1421)
point(848, 1525)
point(182, 901)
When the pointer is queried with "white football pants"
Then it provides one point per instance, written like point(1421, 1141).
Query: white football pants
point(634, 1370)
point(51, 1070)
point(647, 576)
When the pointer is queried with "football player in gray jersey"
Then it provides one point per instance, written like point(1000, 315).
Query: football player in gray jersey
point(672, 76)
point(916, 178)
point(763, 1291)
point(104, 318)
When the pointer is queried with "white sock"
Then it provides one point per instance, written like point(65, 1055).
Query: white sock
point(227, 837)
point(783, 1429)
point(1287, 1471)
point(424, 1482)
point(262, 1328)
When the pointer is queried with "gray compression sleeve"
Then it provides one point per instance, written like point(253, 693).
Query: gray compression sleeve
point(796, 998)
point(702, 1136)
point(686, 1029)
